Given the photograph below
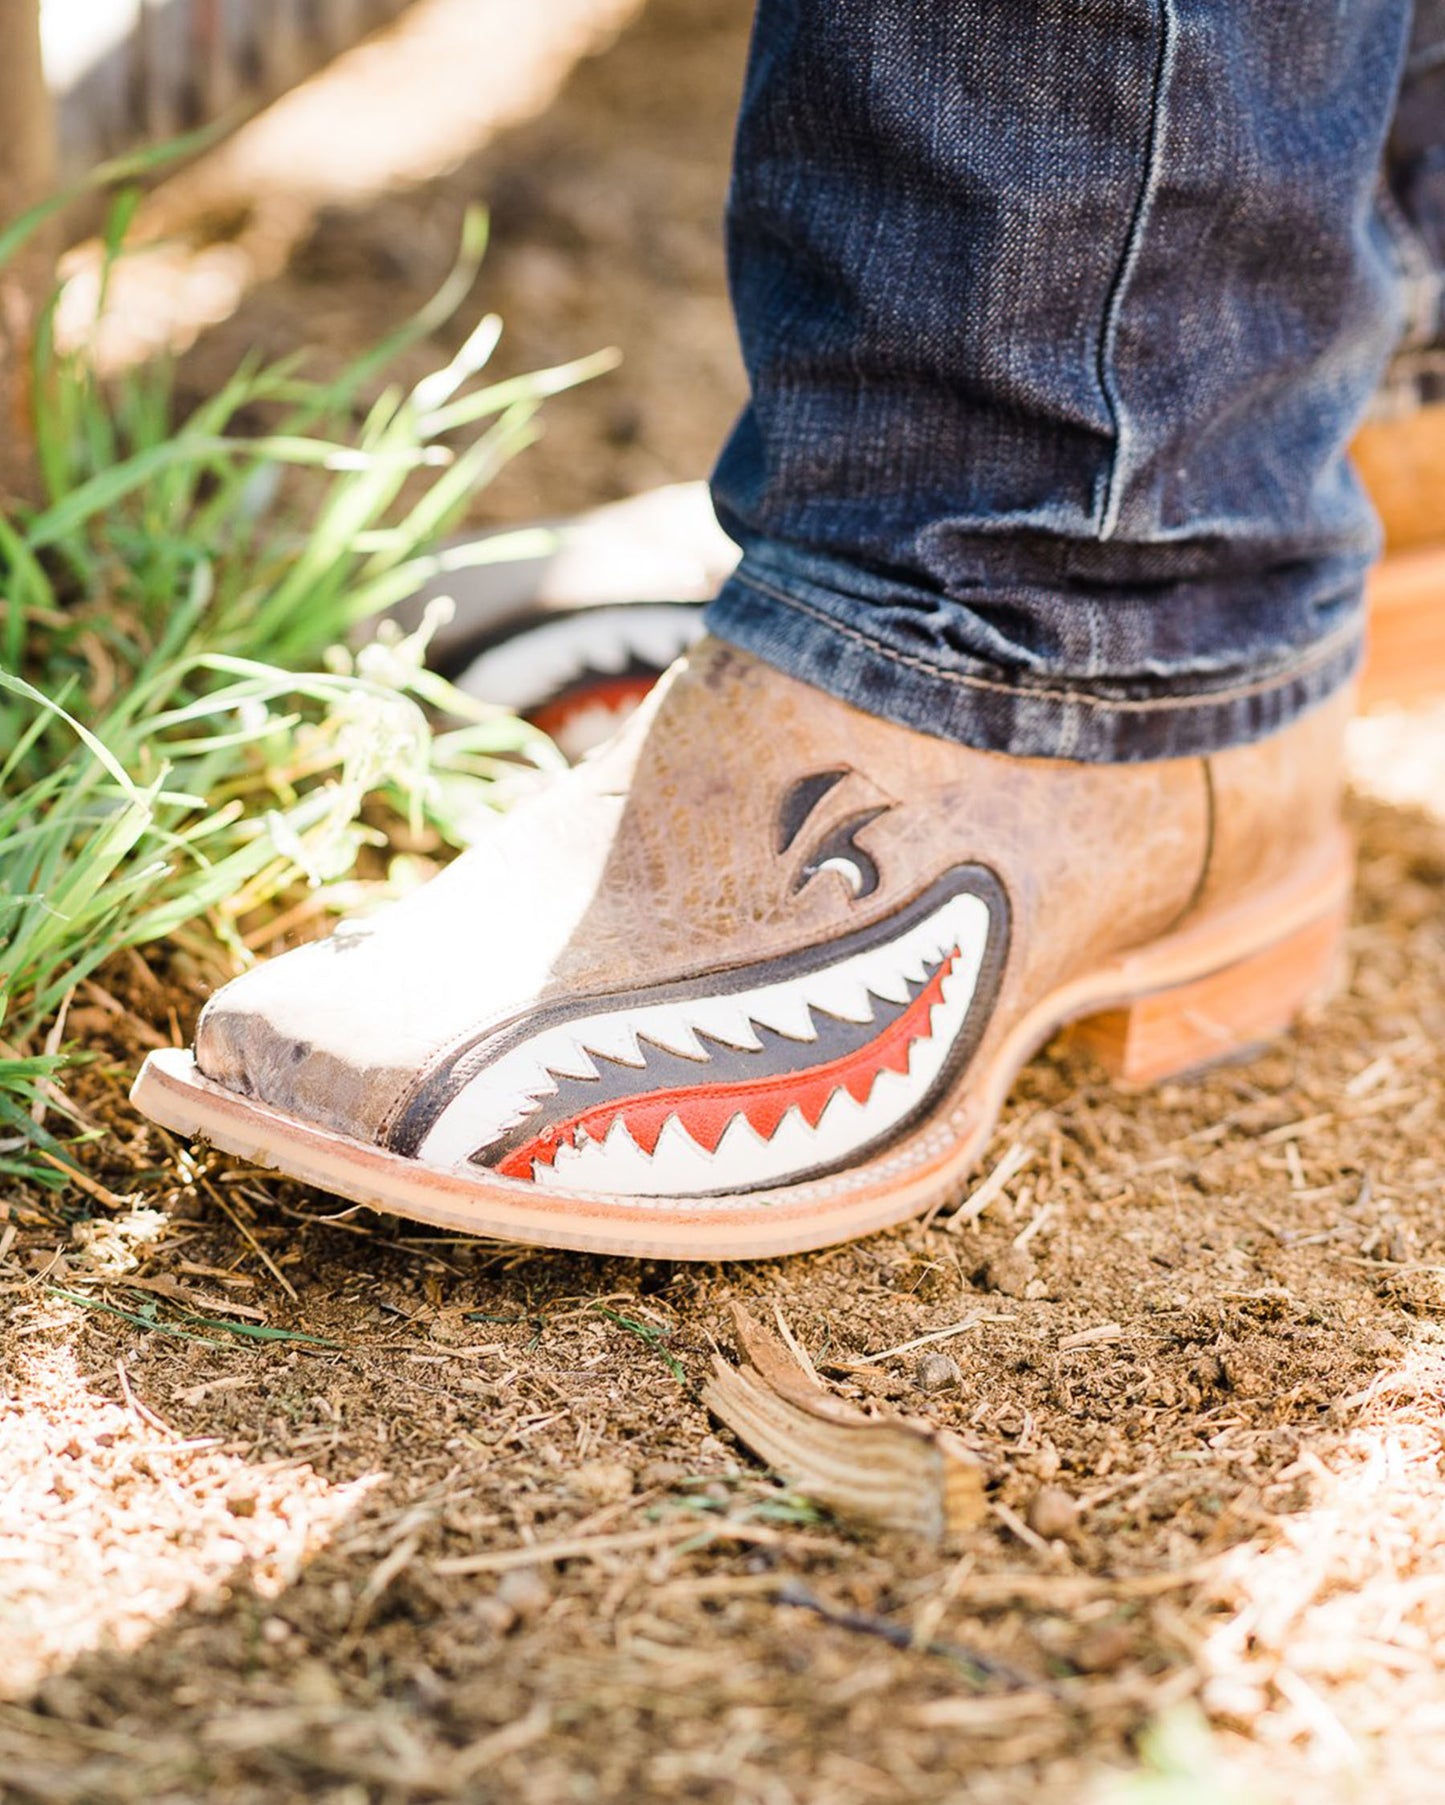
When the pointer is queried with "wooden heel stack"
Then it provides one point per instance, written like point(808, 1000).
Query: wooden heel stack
point(1221, 1015)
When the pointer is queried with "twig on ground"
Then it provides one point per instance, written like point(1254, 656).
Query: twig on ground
point(1100, 1335)
point(908, 1347)
point(979, 1668)
point(698, 1534)
point(142, 1412)
point(251, 1241)
point(992, 1188)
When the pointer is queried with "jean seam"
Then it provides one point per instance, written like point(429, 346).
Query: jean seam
point(1319, 656)
point(1111, 500)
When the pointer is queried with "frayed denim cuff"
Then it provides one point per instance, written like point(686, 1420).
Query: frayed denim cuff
point(834, 643)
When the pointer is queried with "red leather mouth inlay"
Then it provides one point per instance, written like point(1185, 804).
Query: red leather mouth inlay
point(705, 1110)
point(614, 694)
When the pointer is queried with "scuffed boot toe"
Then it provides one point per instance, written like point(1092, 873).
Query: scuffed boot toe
point(286, 1035)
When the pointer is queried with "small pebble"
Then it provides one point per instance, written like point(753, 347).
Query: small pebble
point(662, 1475)
point(1399, 1244)
point(1046, 1462)
point(937, 1372)
point(1052, 1513)
point(1009, 1272)
point(313, 1683)
point(524, 1591)
point(602, 1481)
point(495, 1615)
point(1105, 1648)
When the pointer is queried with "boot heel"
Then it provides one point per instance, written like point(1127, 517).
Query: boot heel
point(1221, 1015)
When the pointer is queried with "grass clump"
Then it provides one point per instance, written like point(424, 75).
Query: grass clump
point(184, 735)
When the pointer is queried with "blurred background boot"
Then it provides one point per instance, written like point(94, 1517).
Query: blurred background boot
point(1403, 463)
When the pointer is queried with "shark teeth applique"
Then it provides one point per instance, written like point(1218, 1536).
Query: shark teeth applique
point(764, 1075)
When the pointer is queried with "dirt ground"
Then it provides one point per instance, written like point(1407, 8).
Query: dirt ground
point(299, 1503)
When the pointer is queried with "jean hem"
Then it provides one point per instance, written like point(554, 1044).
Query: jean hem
point(994, 710)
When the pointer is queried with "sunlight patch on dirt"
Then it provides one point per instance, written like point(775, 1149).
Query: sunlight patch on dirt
point(1397, 756)
point(402, 108)
point(110, 1522)
point(1331, 1648)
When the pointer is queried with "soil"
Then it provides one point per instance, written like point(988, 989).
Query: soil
point(301, 1503)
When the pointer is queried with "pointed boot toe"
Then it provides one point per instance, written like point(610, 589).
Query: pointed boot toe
point(296, 1036)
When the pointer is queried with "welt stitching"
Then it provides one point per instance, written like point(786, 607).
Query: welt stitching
point(1321, 656)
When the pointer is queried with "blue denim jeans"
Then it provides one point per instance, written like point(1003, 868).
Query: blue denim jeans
point(1059, 319)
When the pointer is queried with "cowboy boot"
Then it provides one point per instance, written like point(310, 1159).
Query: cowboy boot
point(758, 977)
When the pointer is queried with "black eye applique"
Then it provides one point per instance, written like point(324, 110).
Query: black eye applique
point(838, 850)
point(800, 801)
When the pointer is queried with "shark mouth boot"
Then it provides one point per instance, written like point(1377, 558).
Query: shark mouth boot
point(757, 978)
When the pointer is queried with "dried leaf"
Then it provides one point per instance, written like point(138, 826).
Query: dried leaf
point(895, 1472)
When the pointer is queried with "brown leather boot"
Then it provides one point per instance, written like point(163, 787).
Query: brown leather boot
point(758, 977)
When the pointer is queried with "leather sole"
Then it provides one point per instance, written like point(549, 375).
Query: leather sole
point(1188, 999)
